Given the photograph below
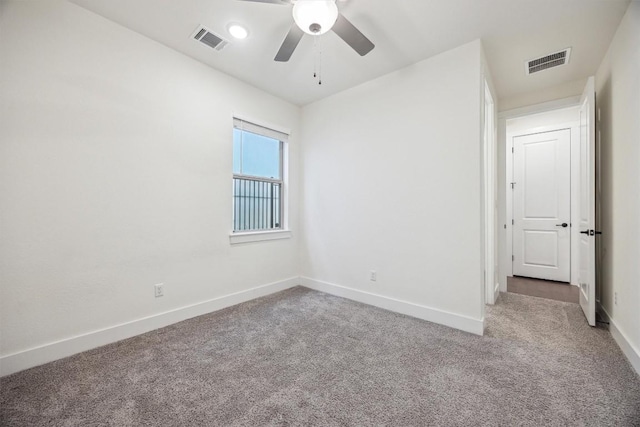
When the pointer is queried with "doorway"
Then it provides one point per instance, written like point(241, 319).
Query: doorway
point(543, 289)
point(577, 115)
point(542, 166)
point(542, 205)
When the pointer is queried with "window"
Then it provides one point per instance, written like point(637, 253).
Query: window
point(258, 184)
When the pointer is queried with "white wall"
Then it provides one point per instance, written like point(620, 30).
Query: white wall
point(618, 99)
point(115, 175)
point(392, 183)
point(561, 91)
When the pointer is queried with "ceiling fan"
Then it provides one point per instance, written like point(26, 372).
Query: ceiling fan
point(316, 17)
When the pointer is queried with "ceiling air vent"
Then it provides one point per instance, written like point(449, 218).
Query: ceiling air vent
point(548, 61)
point(207, 37)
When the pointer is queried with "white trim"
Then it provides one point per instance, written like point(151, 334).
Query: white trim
point(263, 123)
point(21, 360)
point(629, 350)
point(557, 104)
point(258, 236)
point(490, 231)
point(244, 125)
point(453, 320)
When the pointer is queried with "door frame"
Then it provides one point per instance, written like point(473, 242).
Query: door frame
point(587, 276)
point(490, 197)
point(505, 170)
point(572, 127)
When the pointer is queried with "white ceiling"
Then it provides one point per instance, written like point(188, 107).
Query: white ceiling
point(404, 32)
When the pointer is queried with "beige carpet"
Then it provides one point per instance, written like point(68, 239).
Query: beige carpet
point(559, 291)
point(302, 357)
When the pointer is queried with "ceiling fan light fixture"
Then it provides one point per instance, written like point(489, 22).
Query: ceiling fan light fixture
point(315, 17)
point(238, 31)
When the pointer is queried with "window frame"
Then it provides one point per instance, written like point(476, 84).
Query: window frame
point(260, 128)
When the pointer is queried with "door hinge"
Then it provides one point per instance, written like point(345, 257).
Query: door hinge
point(512, 150)
point(513, 222)
point(513, 258)
point(513, 185)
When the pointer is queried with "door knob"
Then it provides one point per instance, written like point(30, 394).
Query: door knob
point(591, 232)
point(563, 225)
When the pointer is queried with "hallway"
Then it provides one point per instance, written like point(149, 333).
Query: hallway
point(559, 291)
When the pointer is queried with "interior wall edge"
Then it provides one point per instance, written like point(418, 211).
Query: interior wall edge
point(621, 338)
point(441, 317)
point(544, 107)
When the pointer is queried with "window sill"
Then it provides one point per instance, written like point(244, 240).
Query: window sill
point(258, 236)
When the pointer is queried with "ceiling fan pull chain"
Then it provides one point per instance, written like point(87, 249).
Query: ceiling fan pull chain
point(319, 61)
point(315, 56)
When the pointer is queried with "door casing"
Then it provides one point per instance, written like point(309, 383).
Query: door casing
point(542, 113)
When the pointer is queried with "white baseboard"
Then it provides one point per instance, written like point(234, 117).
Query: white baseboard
point(628, 349)
point(19, 361)
point(457, 321)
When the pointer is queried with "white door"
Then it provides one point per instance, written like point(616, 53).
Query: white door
point(542, 205)
point(587, 189)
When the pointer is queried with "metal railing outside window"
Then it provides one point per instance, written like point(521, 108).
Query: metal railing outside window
point(257, 204)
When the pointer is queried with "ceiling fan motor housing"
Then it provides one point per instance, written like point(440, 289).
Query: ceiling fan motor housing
point(315, 17)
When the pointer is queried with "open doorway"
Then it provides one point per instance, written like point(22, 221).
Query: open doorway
point(541, 149)
point(547, 131)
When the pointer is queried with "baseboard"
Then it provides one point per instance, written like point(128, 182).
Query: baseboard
point(19, 361)
point(628, 349)
point(457, 321)
point(496, 293)
point(603, 313)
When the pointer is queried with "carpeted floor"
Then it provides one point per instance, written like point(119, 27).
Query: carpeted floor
point(302, 357)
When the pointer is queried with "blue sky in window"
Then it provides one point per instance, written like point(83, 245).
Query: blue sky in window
point(255, 155)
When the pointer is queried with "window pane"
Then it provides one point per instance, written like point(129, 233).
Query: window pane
point(257, 156)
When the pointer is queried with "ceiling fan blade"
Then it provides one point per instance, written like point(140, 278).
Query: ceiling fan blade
point(352, 36)
point(289, 44)
point(285, 2)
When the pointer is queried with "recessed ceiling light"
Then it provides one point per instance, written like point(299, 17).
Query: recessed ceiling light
point(238, 31)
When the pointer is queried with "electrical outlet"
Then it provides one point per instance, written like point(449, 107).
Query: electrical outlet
point(159, 289)
point(615, 298)
point(373, 276)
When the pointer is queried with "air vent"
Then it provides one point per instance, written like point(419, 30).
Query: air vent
point(548, 61)
point(209, 38)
